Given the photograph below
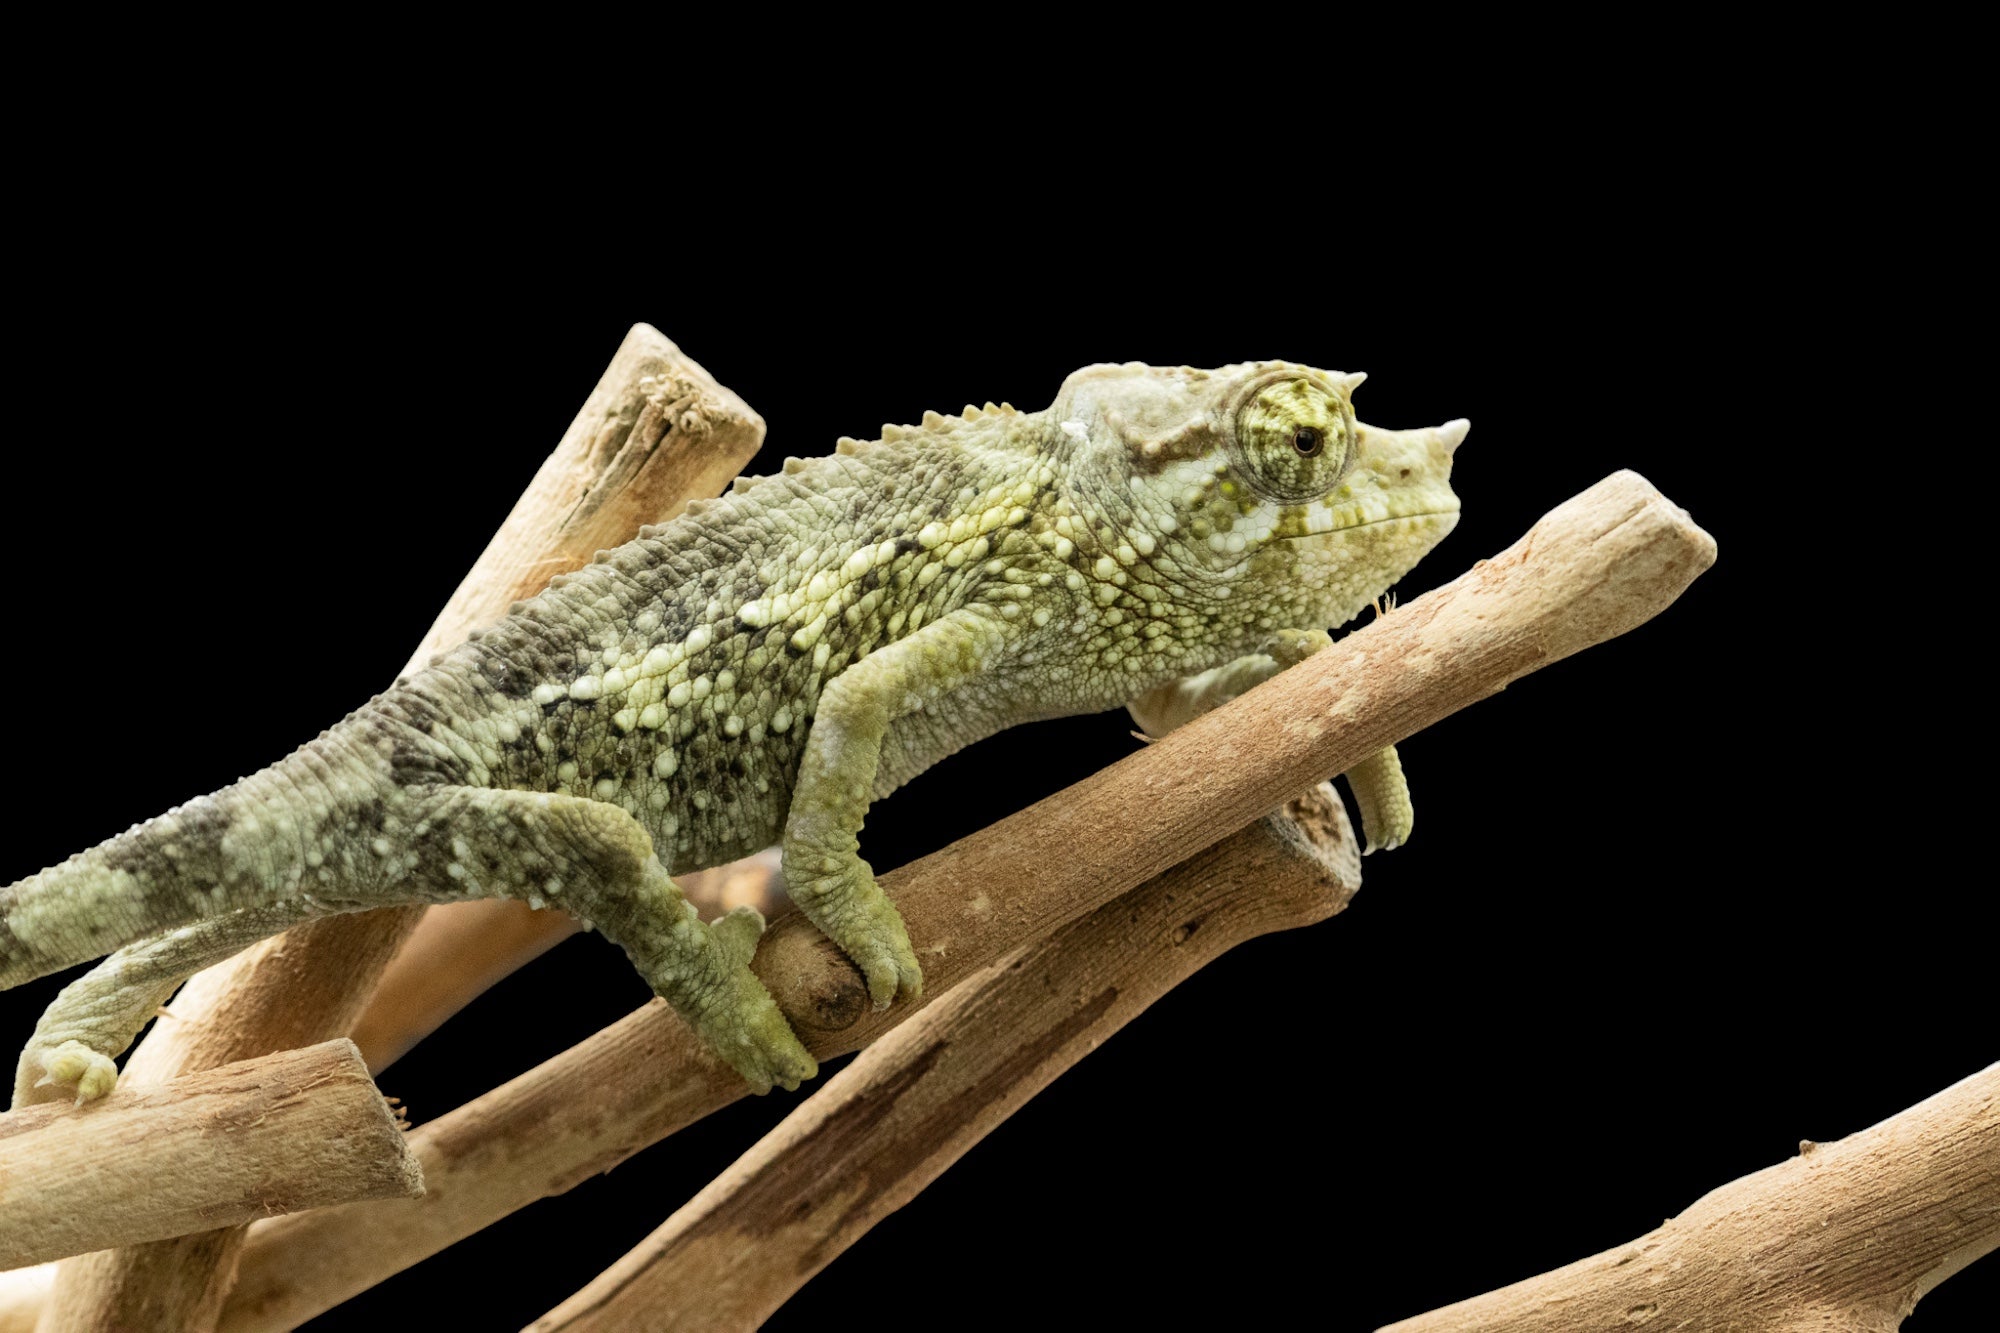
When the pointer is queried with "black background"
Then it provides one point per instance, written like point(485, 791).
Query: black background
point(1671, 906)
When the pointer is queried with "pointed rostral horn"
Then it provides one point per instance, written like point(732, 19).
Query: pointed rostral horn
point(1447, 438)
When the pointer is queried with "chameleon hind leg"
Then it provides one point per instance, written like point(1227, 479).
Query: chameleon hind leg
point(824, 874)
point(1379, 788)
point(95, 1018)
point(594, 860)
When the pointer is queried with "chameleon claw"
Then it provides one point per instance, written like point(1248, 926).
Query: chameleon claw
point(73, 1064)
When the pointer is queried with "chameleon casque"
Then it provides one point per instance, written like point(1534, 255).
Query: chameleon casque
point(761, 668)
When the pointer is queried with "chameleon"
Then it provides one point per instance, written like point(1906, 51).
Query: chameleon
point(761, 668)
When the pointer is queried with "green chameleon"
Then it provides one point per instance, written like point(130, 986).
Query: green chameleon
point(761, 668)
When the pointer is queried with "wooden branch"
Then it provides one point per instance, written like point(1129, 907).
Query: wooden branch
point(656, 429)
point(1598, 565)
point(1848, 1235)
point(300, 1129)
point(455, 952)
point(22, 1294)
point(461, 949)
point(915, 1101)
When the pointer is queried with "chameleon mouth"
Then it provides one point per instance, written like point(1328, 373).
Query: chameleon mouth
point(1372, 523)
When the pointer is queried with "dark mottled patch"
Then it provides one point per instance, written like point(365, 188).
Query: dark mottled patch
point(199, 826)
point(508, 677)
point(408, 721)
point(370, 815)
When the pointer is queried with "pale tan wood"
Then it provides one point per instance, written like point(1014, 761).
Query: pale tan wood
point(1847, 1235)
point(299, 1129)
point(22, 1291)
point(656, 432)
point(917, 1099)
point(1596, 566)
point(461, 949)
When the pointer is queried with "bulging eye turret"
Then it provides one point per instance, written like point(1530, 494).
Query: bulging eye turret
point(1295, 438)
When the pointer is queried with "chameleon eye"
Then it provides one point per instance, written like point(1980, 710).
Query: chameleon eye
point(1294, 438)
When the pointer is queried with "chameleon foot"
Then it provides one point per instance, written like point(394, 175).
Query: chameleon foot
point(869, 929)
point(742, 1023)
point(1289, 647)
point(738, 932)
point(74, 1065)
point(887, 959)
point(1384, 798)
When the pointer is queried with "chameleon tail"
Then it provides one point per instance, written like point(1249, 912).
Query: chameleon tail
point(250, 844)
point(151, 877)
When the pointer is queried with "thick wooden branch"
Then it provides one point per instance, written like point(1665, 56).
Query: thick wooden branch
point(1598, 565)
point(300, 1129)
point(915, 1101)
point(460, 949)
point(657, 432)
point(1846, 1235)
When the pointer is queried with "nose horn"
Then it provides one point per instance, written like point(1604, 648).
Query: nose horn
point(1452, 434)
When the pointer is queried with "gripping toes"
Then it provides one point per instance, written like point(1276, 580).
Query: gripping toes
point(72, 1065)
point(749, 1032)
point(737, 932)
point(741, 1022)
point(1289, 647)
point(883, 952)
point(850, 909)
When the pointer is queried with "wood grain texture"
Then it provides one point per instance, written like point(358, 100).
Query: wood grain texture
point(656, 432)
point(1598, 565)
point(1846, 1235)
point(915, 1101)
point(295, 1130)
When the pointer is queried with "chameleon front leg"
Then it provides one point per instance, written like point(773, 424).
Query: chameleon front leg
point(824, 874)
point(1379, 787)
point(1384, 797)
point(596, 861)
point(96, 1017)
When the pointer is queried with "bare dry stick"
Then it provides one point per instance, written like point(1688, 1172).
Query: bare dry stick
point(461, 949)
point(300, 1129)
point(1598, 565)
point(656, 432)
point(915, 1101)
point(1848, 1235)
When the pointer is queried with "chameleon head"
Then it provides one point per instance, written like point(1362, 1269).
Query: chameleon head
point(1257, 482)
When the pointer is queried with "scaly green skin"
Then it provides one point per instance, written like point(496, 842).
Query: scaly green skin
point(763, 667)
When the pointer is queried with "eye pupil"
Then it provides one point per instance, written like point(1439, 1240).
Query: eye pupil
point(1306, 440)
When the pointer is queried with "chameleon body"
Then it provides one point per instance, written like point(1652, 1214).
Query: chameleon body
point(761, 668)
